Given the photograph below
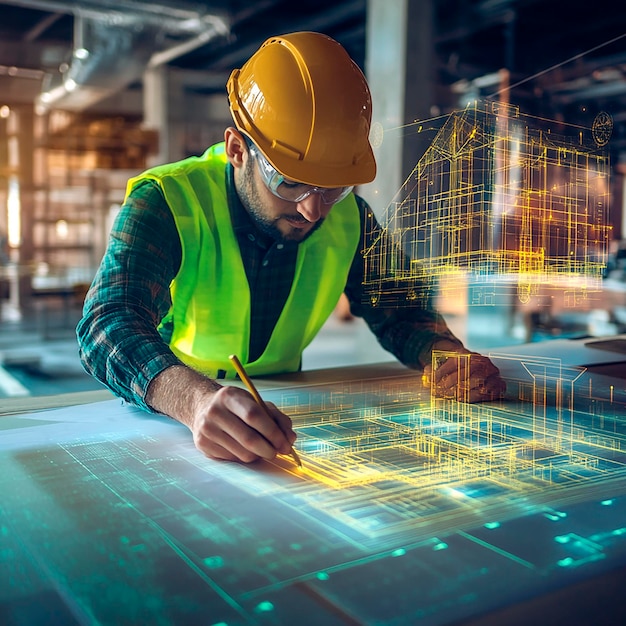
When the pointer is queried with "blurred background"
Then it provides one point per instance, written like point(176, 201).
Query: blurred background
point(94, 91)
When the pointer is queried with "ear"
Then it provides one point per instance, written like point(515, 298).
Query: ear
point(235, 146)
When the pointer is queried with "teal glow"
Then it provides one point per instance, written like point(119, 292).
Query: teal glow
point(607, 502)
point(399, 552)
point(442, 545)
point(562, 538)
point(619, 531)
point(214, 562)
point(567, 562)
point(504, 553)
point(322, 576)
point(264, 607)
point(556, 516)
point(456, 493)
point(492, 525)
point(295, 546)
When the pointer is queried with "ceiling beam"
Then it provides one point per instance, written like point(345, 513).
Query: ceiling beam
point(41, 27)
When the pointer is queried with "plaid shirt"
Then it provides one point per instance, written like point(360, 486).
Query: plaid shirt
point(118, 340)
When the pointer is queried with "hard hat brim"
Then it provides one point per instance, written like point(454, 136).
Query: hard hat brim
point(319, 174)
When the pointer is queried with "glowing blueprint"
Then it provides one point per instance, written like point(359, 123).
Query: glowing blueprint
point(406, 509)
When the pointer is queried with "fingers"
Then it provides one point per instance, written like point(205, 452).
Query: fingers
point(215, 451)
point(284, 424)
point(471, 379)
point(233, 426)
point(480, 390)
point(483, 390)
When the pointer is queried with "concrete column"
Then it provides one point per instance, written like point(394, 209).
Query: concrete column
point(187, 124)
point(400, 70)
point(156, 110)
point(4, 173)
point(26, 151)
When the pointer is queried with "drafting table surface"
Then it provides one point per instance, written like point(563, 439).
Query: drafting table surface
point(406, 510)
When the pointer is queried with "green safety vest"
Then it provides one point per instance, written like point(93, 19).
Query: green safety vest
point(210, 294)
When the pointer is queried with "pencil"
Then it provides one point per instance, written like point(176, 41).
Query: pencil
point(252, 389)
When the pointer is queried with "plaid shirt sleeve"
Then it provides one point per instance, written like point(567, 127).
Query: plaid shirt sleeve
point(405, 328)
point(118, 341)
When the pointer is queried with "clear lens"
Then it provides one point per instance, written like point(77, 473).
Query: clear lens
point(291, 190)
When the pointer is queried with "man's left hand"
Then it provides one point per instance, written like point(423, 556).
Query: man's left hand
point(471, 379)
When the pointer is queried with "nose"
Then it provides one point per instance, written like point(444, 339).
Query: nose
point(312, 207)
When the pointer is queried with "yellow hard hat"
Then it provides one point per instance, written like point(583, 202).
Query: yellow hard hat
point(306, 105)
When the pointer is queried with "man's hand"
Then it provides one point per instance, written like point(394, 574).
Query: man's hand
point(473, 378)
point(226, 422)
point(231, 425)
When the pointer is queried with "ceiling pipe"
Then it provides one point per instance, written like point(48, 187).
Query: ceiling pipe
point(115, 41)
point(217, 28)
point(42, 26)
point(175, 16)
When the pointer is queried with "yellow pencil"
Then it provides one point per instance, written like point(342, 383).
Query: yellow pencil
point(252, 389)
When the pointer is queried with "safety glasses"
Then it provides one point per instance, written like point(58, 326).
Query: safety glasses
point(290, 190)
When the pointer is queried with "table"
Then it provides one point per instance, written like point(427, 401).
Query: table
point(408, 509)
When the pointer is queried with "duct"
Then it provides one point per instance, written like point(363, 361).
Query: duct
point(112, 49)
point(176, 16)
point(105, 59)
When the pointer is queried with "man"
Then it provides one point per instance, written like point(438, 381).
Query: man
point(246, 250)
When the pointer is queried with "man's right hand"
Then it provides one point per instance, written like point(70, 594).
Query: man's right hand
point(231, 425)
point(226, 421)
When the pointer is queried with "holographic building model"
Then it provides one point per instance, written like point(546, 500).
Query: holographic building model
point(502, 201)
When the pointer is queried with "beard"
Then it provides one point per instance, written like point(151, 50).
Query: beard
point(267, 224)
